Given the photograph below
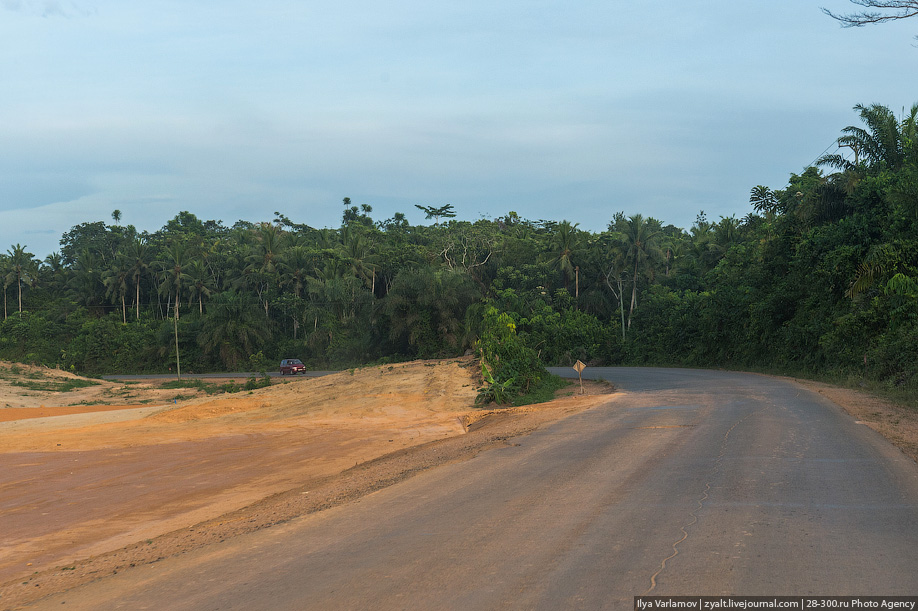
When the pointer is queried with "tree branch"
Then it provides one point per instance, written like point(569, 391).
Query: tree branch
point(901, 9)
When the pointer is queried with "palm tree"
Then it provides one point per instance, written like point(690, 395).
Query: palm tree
point(701, 245)
point(233, 328)
point(295, 264)
point(200, 283)
point(115, 279)
point(55, 272)
point(21, 268)
point(86, 280)
point(7, 281)
point(341, 306)
point(564, 242)
point(641, 250)
point(174, 276)
point(763, 200)
point(617, 270)
point(672, 248)
point(173, 272)
point(138, 255)
point(262, 260)
point(726, 234)
point(356, 251)
point(883, 140)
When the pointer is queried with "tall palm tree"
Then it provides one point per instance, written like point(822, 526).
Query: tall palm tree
point(641, 245)
point(21, 267)
point(356, 251)
point(616, 272)
point(174, 272)
point(115, 279)
point(264, 254)
point(200, 283)
point(882, 140)
point(295, 264)
point(565, 241)
point(173, 277)
point(55, 273)
point(86, 280)
point(7, 280)
point(672, 247)
point(139, 257)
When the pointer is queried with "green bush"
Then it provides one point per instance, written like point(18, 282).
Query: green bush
point(509, 367)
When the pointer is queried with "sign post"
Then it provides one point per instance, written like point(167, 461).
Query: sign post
point(579, 367)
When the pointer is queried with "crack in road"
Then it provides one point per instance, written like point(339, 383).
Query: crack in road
point(693, 515)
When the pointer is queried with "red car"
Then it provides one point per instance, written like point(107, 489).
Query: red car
point(292, 367)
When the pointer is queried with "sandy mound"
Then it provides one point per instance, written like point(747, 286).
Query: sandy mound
point(386, 391)
point(426, 395)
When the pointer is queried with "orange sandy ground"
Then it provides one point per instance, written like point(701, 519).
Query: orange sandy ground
point(91, 479)
point(24, 413)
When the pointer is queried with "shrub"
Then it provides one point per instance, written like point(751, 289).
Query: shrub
point(509, 368)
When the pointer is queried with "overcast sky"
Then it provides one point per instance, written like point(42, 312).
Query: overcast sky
point(554, 109)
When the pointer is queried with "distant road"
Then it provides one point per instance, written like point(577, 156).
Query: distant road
point(219, 376)
point(685, 482)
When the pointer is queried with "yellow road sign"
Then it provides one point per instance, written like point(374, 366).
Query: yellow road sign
point(579, 367)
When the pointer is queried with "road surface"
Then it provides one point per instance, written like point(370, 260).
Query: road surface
point(685, 483)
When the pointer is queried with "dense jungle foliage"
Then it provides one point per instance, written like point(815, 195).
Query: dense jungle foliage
point(820, 277)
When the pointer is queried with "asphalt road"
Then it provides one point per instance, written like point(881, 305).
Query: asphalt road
point(685, 483)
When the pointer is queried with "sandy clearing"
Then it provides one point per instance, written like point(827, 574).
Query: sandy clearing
point(92, 479)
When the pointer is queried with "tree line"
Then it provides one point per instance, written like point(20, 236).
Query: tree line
point(820, 276)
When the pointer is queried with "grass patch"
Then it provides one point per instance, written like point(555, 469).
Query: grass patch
point(543, 392)
point(39, 380)
point(188, 383)
point(54, 384)
point(211, 388)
